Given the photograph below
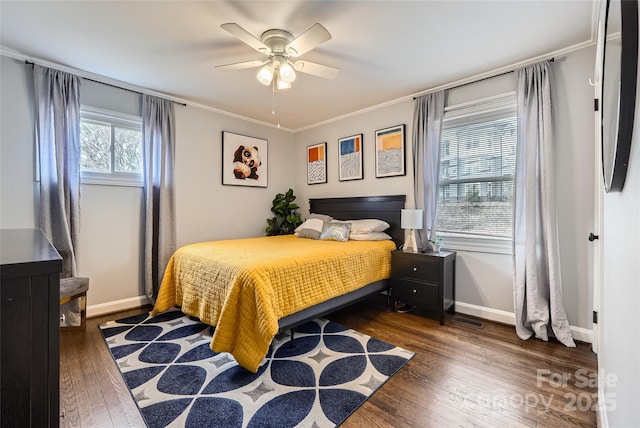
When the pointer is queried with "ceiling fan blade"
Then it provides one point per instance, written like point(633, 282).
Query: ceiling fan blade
point(239, 32)
point(240, 65)
point(310, 39)
point(315, 69)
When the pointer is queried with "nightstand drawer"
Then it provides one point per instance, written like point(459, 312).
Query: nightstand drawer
point(415, 292)
point(419, 268)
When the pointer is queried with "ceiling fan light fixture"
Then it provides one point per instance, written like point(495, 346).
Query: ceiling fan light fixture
point(265, 75)
point(286, 72)
point(281, 84)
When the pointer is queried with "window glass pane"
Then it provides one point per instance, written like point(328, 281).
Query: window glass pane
point(127, 150)
point(95, 146)
point(476, 177)
point(110, 147)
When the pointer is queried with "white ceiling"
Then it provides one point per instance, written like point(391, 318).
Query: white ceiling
point(386, 50)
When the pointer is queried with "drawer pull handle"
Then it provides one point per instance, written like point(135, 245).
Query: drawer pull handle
point(415, 269)
point(414, 291)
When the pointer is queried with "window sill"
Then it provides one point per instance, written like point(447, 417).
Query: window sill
point(102, 179)
point(477, 244)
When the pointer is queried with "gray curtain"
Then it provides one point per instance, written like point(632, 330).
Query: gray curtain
point(57, 123)
point(158, 133)
point(536, 258)
point(427, 129)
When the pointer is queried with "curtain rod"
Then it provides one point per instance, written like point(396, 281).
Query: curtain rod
point(112, 85)
point(479, 80)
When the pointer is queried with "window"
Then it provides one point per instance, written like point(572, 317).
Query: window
point(475, 200)
point(110, 148)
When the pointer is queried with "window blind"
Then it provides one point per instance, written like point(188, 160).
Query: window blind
point(477, 164)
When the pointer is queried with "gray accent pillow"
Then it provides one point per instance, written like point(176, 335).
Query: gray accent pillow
point(310, 229)
point(309, 234)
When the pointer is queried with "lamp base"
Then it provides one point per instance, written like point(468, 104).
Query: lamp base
point(410, 245)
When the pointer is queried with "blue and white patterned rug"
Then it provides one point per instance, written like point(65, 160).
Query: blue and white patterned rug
point(178, 381)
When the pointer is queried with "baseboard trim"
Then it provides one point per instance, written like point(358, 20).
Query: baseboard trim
point(505, 317)
point(117, 305)
point(582, 334)
point(486, 313)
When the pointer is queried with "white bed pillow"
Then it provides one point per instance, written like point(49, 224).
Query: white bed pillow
point(367, 225)
point(322, 217)
point(373, 236)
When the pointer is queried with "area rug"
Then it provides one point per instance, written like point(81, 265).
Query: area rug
point(177, 381)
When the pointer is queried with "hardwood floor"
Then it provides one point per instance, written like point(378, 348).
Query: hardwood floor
point(461, 376)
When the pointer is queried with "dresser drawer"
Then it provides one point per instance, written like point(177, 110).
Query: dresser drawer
point(415, 292)
point(419, 268)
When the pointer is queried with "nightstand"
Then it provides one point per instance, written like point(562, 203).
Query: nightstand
point(425, 279)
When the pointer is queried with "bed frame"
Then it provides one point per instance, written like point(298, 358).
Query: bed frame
point(385, 208)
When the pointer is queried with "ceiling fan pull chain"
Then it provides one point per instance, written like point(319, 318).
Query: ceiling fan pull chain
point(273, 102)
point(273, 97)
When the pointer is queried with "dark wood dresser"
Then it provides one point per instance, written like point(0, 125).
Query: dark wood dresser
point(29, 329)
point(426, 280)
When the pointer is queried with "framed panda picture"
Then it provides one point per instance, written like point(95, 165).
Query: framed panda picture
point(244, 160)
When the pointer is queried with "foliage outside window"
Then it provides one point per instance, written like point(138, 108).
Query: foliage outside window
point(477, 165)
point(110, 148)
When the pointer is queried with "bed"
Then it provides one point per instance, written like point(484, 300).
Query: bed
point(253, 288)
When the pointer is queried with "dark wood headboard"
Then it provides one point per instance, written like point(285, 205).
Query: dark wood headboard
point(385, 208)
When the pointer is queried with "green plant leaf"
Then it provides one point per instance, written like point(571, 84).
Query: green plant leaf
point(285, 218)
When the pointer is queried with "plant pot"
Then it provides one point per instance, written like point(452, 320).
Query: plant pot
point(436, 247)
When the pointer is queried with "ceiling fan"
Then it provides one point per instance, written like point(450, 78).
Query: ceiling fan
point(281, 48)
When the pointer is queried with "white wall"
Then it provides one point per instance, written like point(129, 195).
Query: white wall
point(17, 156)
point(619, 353)
point(575, 193)
point(483, 280)
point(206, 209)
point(619, 350)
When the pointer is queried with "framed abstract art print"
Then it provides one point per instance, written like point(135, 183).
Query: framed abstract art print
point(317, 163)
point(390, 149)
point(350, 158)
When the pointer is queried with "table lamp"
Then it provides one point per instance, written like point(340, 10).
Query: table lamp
point(412, 220)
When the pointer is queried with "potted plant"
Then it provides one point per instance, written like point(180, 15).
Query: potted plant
point(436, 242)
point(285, 218)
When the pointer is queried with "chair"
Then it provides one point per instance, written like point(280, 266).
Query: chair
point(73, 299)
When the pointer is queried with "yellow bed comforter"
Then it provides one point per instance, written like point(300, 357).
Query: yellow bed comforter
point(244, 286)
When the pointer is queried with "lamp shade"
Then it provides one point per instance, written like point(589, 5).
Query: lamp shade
point(265, 75)
point(281, 84)
point(411, 219)
point(286, 72)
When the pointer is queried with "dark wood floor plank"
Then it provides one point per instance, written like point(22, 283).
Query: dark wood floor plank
point(102, 398)
point(117, 398)
point(88, 407)
point(461, 376)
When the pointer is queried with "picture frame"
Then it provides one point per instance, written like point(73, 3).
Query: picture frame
point(317, 163)
point(350, 158)
point(390, 151)
point(244, 160)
